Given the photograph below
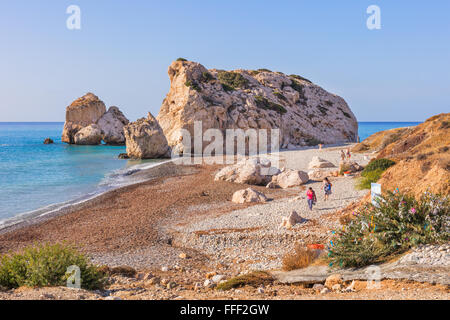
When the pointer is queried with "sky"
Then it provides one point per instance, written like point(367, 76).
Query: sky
point(400, 72)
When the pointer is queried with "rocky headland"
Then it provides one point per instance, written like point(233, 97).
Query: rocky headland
point(305, 113)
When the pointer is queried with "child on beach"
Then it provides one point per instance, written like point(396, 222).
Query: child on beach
point(326, 188)
point(311, 197)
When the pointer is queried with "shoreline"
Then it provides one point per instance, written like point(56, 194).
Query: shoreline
point(40, 215)
point(55, 209)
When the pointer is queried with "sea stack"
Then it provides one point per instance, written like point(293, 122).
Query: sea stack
point(81, 113)
point(305, 113)
point(88, 123)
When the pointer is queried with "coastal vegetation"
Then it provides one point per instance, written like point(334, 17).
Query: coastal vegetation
point(373, 171)
point(232, 79)
point(47, 265)
point(266, 104)
point(193, 85)
point(396, 223)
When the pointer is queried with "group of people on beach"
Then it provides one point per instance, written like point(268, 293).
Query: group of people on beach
point(345, 155)
point(311, 194)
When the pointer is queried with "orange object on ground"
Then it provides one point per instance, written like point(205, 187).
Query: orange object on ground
point(316, 246)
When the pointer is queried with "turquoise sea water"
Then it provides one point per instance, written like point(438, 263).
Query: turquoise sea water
point(37, 176)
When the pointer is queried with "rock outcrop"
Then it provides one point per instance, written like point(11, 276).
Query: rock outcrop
point(81, 113)
point(317, 162)
point(111, 124)
point(290, 178)
point(90, 135)
point(255, 171)
point(248, 195)
point(48, 141)
point(145, 139)
point(305, 113)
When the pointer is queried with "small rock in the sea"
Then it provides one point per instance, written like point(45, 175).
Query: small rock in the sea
point(48, 141)
point(123, 156)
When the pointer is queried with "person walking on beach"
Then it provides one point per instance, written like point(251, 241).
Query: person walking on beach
point(327, 188)
point(311, 197)
point(342, 155)
point(348, 154)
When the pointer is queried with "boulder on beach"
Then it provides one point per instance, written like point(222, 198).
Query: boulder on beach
point(351, 166)
point(317, 162)
point(111, 124)
point(318, 174)
point(90, 135)
point(292, 220)
point(144, 139)
point(248, 195)
point(254, 171)
point(81, 113)
point(290, 178)
point(305, 113)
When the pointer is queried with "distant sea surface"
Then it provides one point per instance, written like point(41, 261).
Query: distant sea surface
point(37, 178)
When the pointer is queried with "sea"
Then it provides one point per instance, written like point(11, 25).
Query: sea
point(36, 179)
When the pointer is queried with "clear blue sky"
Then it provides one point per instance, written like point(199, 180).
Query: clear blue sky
point(121, 53)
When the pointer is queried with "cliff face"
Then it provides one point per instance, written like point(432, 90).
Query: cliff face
point(305, 113)
point(422, 154)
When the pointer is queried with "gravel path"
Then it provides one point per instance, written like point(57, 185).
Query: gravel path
point(254, 233)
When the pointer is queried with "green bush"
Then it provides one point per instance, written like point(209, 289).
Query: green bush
point(295, 76)
point(397, 223)
point(372, 172)
point(369, 178)
point(194, 85)
point(206, 76)
point(46, 265)
point(232, 79)
point(263, 103)
point(378, 164)
point(181, 59)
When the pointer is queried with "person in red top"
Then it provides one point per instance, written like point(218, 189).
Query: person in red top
point(311, 197)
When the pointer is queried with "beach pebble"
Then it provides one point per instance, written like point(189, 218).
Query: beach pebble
point(217, 278)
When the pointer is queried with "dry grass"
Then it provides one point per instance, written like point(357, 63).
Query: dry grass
point(300, 258)
point(254, 279)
